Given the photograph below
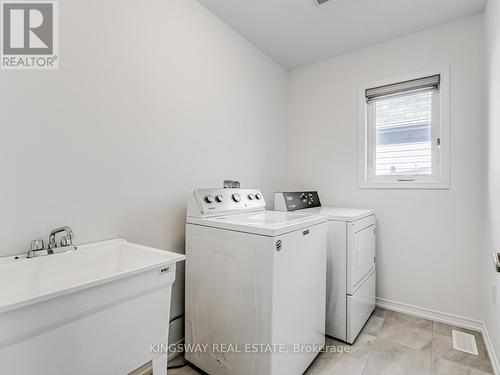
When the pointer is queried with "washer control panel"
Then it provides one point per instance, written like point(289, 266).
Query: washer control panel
point(214, 202)
point(293, 201)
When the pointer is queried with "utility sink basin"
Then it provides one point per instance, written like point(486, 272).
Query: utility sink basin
point(98, 309)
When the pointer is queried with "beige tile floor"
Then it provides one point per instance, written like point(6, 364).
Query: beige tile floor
point(396, 344)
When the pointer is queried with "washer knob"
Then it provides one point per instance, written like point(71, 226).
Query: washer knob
point(258, 196)
point(236, 197)
point(303, 197)
point(209, 199)
point(219, 198)
point(251, 197)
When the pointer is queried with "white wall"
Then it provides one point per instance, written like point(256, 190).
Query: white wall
point(152, 99)
point(430, 241)
point(492, 279)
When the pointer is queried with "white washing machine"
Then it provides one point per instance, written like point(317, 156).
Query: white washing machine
point(255, 285)
point(351, 271)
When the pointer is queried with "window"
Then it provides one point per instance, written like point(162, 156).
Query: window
point(404, 133)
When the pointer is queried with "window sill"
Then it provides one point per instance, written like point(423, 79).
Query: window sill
point(405, 185)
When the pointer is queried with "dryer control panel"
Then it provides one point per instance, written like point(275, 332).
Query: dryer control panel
point(293, 201)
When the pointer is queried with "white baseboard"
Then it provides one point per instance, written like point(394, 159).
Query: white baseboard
point(441, 317)
point(491, 351)
point(437, 316)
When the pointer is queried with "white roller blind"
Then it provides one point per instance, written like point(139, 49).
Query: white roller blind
point(431, 82)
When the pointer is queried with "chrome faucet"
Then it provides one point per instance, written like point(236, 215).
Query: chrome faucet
point(66, 240)
point(67, 243)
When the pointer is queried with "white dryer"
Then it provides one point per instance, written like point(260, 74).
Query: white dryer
point(351, 271)
point(255, 285)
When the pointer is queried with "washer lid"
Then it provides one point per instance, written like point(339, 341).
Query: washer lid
point(265, 223)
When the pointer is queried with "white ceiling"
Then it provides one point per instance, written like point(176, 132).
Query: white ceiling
point(298, 32)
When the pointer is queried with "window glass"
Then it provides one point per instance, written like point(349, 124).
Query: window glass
point(403, 134)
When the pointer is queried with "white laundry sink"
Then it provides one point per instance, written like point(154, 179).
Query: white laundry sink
point(98, 309)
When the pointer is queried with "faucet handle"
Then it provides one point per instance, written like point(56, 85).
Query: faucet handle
point(36, 245)
point(66, 240)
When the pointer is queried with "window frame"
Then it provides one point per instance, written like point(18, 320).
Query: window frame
point(440, 178)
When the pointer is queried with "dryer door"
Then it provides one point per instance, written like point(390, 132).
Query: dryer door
point(361, 252)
